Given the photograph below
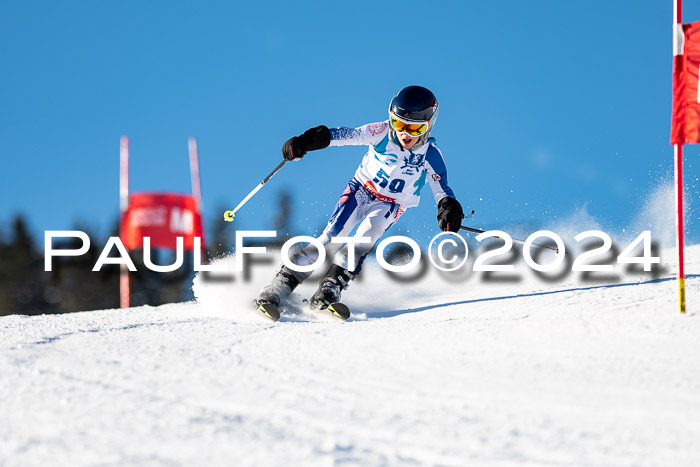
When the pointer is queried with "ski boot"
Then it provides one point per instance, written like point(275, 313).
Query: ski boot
point(273, 293)
point(327, 296)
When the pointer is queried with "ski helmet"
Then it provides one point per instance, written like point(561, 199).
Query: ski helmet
point(414, 104)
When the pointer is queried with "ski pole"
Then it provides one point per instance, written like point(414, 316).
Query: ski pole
point(229, 215)
point(515, 240)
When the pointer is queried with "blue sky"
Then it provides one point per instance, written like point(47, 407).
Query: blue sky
point(546, 107)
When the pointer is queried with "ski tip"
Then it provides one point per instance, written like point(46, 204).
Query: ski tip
point(270, 311)
point(339, 310)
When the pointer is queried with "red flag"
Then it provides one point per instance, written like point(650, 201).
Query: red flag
point(163, 217)
point(685, 121)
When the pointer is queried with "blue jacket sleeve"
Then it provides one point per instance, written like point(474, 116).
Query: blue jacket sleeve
point(437, 173)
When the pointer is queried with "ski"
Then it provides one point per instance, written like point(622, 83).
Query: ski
point(268, 310)
point(337, 309)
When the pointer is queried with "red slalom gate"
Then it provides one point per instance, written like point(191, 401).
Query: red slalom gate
point(685, 120)
point(161, 216)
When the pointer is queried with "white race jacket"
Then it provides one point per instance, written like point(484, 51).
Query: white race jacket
point(394, 173)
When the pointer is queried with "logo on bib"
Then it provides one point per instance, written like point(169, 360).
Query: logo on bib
point(412, 162)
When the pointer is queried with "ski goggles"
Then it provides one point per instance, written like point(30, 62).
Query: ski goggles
point(411, 128)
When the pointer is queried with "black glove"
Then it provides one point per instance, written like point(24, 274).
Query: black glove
point(312, 139)
point(450, 214)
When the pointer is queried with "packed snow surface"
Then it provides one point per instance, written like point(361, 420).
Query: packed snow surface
point(436, 371)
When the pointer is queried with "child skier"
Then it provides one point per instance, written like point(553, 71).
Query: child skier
point(401, 158)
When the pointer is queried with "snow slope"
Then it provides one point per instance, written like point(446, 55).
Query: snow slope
point(524, 373)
